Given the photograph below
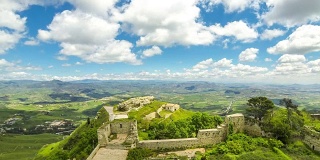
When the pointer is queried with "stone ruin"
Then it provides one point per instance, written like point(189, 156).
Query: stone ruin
point(170, 107)
point(135, 103)
point(204, 137)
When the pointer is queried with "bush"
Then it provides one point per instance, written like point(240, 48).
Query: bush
point(262, 142)
point(221, 157)
point(235, 148)
point(223, 149)
point(240, 143)
point(260, 155)
point(317, 127)
point(139, 153)
point(280, 153)
point(299, 148)
point(275, 143)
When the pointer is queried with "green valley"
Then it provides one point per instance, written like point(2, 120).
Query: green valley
point(54, 109)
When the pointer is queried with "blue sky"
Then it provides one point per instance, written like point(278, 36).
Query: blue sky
point(261, 41)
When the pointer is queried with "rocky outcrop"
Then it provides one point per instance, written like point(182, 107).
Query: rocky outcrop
point(135, 103)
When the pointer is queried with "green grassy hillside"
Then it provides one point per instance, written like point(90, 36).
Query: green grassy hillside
point(24, 146)
point(79, 144)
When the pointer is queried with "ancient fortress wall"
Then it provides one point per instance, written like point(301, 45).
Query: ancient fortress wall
point(159, 110)
point(204, 137)
point(237, 122)
point(315, 116)
point(120, 127)
point(152, 116)
point(168, 143)
point(312, 139)
point(103, 133)
point(212, 136)
point(116, 127)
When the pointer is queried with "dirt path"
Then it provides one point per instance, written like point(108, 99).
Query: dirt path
point(119, 140)
point(112, 154)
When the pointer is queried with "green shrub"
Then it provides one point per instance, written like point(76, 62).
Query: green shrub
point(239, 143)
point(275, 143)
point(223, 149)
point(221, 157)
point(260, 155)
point(139, 153)
point(317, 127)
point(280, 153)
point(235, 148)
point(298, 148)
point(262, 142)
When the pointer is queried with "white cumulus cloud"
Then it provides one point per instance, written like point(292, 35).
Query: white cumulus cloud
point(8, 40)
point(154, 50)
point(314, 66)
point(223, 63)
point(232, 5)
point(203, 65)
point(287, 58)
point(290, 65)
point(89, 37)
point(292, 12)
point(31, 42)
point(165, 23)
point(303, 40)
point(9, 19)
point(237, 29)
point(12, 25)
point(250, 54)
point(98, 7)
point(271, 33)
point(79, 28)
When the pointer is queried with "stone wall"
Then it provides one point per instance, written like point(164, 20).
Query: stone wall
point(121, 127)
point(212, 136)
point(151, 116)
point(204, 137)
point(135, 103)
point(315, 116)
point(237, 120)
point(103, 133)
point(94, 152)
point(159, 110)
point(168, 143)
point(312, 139)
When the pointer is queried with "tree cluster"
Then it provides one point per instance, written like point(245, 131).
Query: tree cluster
point(240, 143)
point(283, 123)
point(184, 128)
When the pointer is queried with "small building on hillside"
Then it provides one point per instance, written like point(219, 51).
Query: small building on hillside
point(171, 107)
